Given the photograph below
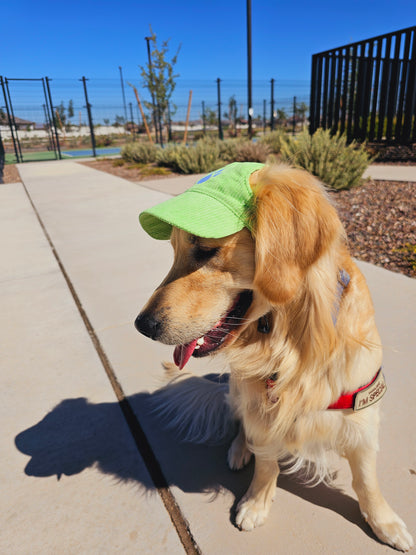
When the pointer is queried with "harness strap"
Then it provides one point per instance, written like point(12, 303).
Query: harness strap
point(363, 396)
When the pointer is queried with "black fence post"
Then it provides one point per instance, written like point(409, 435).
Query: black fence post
point(220, 133)
point(312, 97)
point(264, 115)
point(84, 81)
point(169, 125)
point(48, 125)
point(132, 121)
point(203, 118)
point(271, 104)
point(249, 80)
point(48, 97)
point(2, 159)
point(123, 93)
point(294, 115)
point(11, 120)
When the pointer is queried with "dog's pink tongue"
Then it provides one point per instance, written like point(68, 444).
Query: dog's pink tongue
point(183, 353)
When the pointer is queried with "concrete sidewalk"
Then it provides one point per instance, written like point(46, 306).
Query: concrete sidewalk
point(74, 476)
point(391, 173)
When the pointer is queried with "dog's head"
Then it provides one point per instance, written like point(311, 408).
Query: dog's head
point(218, 286)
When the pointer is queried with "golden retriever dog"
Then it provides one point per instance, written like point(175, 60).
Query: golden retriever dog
point(299, 336)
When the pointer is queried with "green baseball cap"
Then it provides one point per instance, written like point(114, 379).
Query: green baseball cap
point(219, 204)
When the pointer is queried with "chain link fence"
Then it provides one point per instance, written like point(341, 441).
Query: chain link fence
point(115, 116)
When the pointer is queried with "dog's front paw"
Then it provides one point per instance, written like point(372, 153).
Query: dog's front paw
point(251, 513)
point(238, 454)
point(392, 531)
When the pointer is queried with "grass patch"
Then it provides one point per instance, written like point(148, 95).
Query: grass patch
point(33, 157)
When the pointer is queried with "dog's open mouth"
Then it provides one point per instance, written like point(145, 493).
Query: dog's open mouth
point(218, 335)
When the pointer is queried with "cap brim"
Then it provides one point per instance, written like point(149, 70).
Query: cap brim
point(200, 215)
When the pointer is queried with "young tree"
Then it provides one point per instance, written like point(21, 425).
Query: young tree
point(159, 77)
point(119, 120)
point(70, 114)
point(70, 110)
point(301, 110)
point(211, 116)
point(281, 116)
point(60, 116)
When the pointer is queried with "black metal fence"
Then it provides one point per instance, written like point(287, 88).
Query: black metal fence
point(367, 89)
point(48, 113)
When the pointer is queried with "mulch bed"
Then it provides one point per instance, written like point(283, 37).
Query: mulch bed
point(131, 172)
point(379, 217)
point(405, 155)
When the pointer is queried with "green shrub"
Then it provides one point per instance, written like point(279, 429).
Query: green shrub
point(274, 140)
point(140, 153)
point(338, 165)
point(200, 158)
point(166, 157)
point(228, 149)
point(243, 150)
point(103, 140)
point(248, 151)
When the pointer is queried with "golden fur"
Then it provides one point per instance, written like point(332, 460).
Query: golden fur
point(290, 261)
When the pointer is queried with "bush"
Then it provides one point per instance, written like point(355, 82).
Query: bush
point(338, 165)
point(140, 153)
point(228, 149)
point(210, 154)
point(200, 158)
point(167, 157)
point(103, 140)
point(248, 151)
point(274, 140)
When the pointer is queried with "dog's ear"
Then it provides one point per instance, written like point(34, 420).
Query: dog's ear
point(293, 226)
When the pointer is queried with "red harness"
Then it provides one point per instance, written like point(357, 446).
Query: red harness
point(360, 398)
point(363, 396)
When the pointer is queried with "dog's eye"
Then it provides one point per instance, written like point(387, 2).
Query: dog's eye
point(203, 254)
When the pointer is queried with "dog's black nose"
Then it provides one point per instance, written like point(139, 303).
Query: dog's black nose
point(148, 325)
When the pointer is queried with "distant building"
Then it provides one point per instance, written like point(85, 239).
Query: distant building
point(21, 124)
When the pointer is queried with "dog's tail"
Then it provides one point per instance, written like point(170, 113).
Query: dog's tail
point(195, 408)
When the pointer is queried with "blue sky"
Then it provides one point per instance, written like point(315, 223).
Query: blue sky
point(93, 38)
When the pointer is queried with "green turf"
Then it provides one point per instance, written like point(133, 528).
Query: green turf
point(33, 157)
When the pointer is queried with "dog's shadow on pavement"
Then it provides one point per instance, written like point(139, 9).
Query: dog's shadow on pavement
point(77, 435)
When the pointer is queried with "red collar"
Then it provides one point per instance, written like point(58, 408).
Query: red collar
point(359, 399)
point(363, 396)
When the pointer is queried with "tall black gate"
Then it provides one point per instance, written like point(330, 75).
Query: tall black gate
point(49, 118)
point(367, 89)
